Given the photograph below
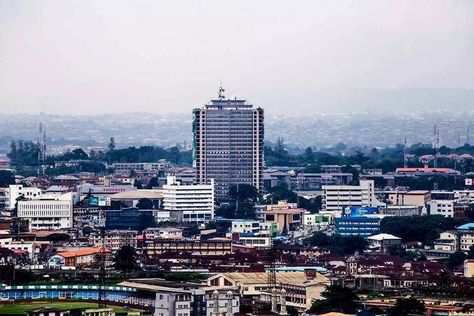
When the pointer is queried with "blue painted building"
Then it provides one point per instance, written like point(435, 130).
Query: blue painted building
point(358, 221)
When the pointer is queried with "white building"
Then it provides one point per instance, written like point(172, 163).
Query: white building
point(33, 249)
point(115, 239)
point(442, 207)
point(15, 191)
point(47, 212)
point(163, 232)
point(253, 233)
point(141, 166)
point(447, 242)
point(189, 203)
point(383, 242)
point(336, 197)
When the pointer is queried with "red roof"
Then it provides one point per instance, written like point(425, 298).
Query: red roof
point(81, 252)
point(442, 170)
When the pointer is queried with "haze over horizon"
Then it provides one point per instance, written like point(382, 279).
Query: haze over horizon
point(91, 57)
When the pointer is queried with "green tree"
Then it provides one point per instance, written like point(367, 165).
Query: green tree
point(125, 259)
point(281, 192)
point(456, 259)
point(153, 183)
point(242, 192)
point(407, 306)
point(342, 245)
point(145, 204)
point(336, 299)
point(6, 178)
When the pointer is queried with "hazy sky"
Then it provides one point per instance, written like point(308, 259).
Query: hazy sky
point(168, 56)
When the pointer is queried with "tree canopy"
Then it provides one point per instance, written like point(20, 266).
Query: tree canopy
point(125, 259)
point(336, 299)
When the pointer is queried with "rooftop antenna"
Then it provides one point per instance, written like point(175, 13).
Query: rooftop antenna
point(405, 155)
point(435, 146)
point(467, 135)
point(221, 95)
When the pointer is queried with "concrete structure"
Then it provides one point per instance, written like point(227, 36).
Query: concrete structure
point(253, 233)
point(401, 210)
point(101, 191)
point(469, 268)
point(336, 197)
point(16, 191)
point(32, 249)
point(287, 216)
point(79, 258)
point(465, 236)
point(383, 242)
point(442, 207)
point(213, 246)
point(47, 212)
point(189, 203)
point(186, 299)
point(161, 165)
point(318, 220)
point(448, 242)
point(301, 287)
point(419, 198)
point(228, 144)
point(131, 198)
point(115, 239)
point(163, 232)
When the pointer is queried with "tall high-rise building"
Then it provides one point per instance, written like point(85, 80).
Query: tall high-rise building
point(228, 144)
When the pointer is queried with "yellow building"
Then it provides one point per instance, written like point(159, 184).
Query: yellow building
point(469, 268)
point(286, 215)
point(416, 197)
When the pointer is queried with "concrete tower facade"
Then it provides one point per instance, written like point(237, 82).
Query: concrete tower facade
point(228, 144)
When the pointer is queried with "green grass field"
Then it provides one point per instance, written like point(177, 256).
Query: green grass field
point(21, 308)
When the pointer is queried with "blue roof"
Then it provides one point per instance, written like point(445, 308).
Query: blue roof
point(468, 226)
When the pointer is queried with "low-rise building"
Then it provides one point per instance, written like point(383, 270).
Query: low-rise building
point(79, 258)
point(163, 232)
point(442, 207)
point(114, 239)
point(301, 287)
point(319, 220)
point(383, 242)
point(287, 216)
point(213, 246)
point(419, 198)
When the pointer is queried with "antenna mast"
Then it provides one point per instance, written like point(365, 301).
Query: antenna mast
point(405, 155)
point(221, 95)
point(41, 143)
point(435, 145)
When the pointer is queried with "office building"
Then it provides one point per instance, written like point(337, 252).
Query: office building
point(47, 211)
point(336, 197)
point(189, 203)
point(359, 221)
point(17, 191)
point(228, 144)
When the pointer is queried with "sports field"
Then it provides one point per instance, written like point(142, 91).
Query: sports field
point(21, 308)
